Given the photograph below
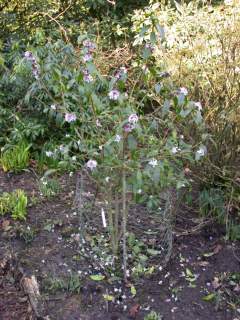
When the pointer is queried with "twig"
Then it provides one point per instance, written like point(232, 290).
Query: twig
point(111, 2)
point(194, 229)
point(124, 215)
point(58, 23)
point(235, 256)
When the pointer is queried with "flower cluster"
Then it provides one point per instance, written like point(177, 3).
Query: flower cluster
point(87, 57)
point(201, 152)
point(133, 118)
point(149, 46)
point(183, 91)
point(49, 154)
point(153, 163)
point(91, 164)
point(86, 76)
point(57, 152)
point(175, 150)
point(118, 138)
point(89, 47)
point(132, 121)
point(35, 67)
point(114, 94)
point(119, 75)
point(70, 117)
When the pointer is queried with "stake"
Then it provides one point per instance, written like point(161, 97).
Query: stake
point(124, 207)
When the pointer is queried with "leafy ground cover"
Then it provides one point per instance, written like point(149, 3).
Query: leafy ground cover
point(200, 281)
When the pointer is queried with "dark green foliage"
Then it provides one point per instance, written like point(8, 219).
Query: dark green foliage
point(25, 17)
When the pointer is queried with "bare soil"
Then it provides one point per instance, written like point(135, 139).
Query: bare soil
point(47, 245)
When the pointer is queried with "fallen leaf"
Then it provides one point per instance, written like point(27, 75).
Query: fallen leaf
point(203, 263)
point(237, 288)
point(208, 254)
point(23, 299)
point(216, 284)
point(6, 225)
point(153, 252)
point(217, 248)
point(134, 311)
point(215, 251)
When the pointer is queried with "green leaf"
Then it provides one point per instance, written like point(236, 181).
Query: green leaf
point(97, 102)
point(142, 258)
point(161, 31)
point(189, 273)
point(166, 107)
point(108, 297)
point(50, 172)
point(153, 252)
point(180, 184)
point(158, 88)
point(132, 142)
point(48, 227)
point(133, 290)
point(146, 53)
point(153, 37)
point(156, 175)
point(136, 249)
point(97, 277)
point(185, 112)
point(139, 178)
point(208, 254)
point(209, 297)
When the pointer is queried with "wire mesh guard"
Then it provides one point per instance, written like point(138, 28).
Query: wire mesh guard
point(155, 227)
point(149, 233)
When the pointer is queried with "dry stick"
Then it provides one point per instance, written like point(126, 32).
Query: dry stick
point(66, 9)
point(79, 204)
point(116, 224)
point(111, 2)
point(64, 32)
point(31, 288)
point(124, 208)
point(195, 229)
point(110, 219)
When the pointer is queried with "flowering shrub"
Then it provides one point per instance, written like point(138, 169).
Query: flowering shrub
point(103, 121)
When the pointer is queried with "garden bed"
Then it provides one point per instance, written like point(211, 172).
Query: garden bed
point(201, 280)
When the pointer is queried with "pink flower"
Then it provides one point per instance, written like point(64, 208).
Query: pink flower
point(129, 127)
point(35, 67)
point(120, 73)
point(149, 46)
point(87, 77)
point(28, 55)
point(89, 45)
point(133, 118)
point(114, 94)
point(87, 57)
point(70, 117)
